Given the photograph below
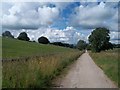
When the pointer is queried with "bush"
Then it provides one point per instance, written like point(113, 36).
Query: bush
point(7, 34)
point(43, 40)
point(81, 45)
point(23, 36)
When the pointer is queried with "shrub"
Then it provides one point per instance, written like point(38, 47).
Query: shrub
point(23, 36)
point(43, 40)
point(7, 34)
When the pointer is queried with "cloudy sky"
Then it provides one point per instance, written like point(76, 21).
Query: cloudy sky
point(60, 21)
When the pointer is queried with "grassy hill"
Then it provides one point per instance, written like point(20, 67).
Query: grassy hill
point(13, 48)
point(32, 64)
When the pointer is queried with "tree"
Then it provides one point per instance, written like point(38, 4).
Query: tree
point(107, 46)
point(81, 45)
point(23, 36)
point(7, 34)
point(43, 40)
point(99, 39)
point(116, 45)
point(88, 47)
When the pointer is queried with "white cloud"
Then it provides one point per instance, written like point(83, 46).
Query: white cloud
point(47, 15)
point(29, 16)
point(99, 15)
point(114, 35)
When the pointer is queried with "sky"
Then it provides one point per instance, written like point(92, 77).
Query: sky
point(66, 22)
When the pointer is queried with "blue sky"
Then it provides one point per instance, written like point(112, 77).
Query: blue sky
point(60, 21)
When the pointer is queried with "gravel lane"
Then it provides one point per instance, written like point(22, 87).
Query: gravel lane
point(85, 74)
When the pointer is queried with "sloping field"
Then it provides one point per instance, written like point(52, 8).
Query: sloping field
point(13, 48)
point(30, 64)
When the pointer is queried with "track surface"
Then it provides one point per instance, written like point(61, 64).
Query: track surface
point(84, 73)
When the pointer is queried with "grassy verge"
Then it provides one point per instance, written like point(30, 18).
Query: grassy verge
point(42, 64)
point(108, 61)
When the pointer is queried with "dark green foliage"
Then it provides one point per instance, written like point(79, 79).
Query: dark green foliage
point(88, 47)
point(81, 45)
point(23, 36)
point(43, 40)
point(107, 46)
point(63, 44)
point(7, 34)
point(116, 45)
point(99, 40)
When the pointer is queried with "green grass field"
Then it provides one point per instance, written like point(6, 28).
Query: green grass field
point(108, 61)
point(13, 48)
point(33, 64)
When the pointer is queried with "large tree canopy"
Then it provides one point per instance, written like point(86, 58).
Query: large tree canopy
point(7, 34)
point(99, 39)
point(23, 36)
point(43, 40)
point(81, 45)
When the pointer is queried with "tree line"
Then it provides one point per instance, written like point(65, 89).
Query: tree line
point(99, 40)
point(43, 40)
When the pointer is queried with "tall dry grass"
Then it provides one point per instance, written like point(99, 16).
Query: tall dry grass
point(36, 71)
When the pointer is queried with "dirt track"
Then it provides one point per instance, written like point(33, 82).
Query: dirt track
point(84, 73)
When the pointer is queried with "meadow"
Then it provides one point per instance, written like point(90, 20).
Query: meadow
point(108, 62)
point(30, 64)
point(13, 48)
